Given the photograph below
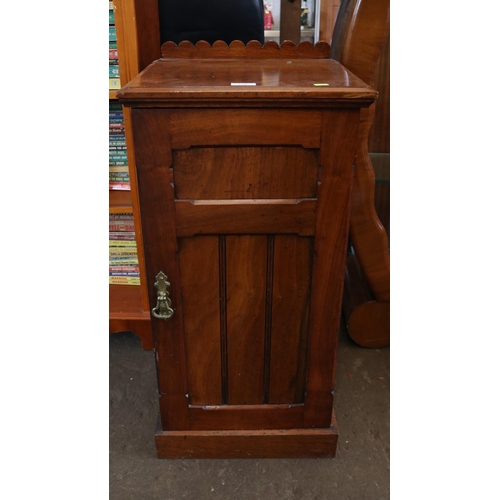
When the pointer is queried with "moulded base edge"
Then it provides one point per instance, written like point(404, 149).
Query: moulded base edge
point(278, 443)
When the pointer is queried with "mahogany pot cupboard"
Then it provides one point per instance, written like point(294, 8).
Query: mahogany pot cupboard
point(244, 159)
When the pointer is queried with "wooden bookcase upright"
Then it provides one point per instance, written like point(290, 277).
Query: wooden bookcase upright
point(138, 43)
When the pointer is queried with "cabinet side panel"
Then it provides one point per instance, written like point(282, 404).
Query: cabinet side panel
point(199, 268)
point(246, 265)
point(337, 156)
point(291, 295)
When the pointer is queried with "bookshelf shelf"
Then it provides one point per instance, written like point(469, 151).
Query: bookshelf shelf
point(120, 202)
point(127, 314)
point(125, 303)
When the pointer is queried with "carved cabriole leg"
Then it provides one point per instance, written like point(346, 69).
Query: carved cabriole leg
point(371, 247)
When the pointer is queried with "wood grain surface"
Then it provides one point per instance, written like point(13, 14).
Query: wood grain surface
point(245, 173)
point(255, 259)
point(246, 260)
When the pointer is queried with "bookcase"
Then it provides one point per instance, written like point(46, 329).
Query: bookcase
point(138, 44)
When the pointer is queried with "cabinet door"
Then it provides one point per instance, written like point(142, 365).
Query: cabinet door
point(246, 212)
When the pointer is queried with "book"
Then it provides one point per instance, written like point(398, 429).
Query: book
point(117, 258)
point(117, 156)
point(121, 218)
point(124, 273)
point(128, 253)
point(114, 226)
point(119, 186)
point(122, 243)
point(118, 175)
point(122, 235)
point(118, 179)
point(124, 280)
point(117, 228)
point(124, 268)
point(114, 84)
point(121, 263)
point(121, 226)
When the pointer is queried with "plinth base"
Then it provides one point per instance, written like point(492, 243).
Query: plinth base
point(286, 443)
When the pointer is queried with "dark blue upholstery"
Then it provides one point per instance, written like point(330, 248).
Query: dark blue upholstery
point(211, 20)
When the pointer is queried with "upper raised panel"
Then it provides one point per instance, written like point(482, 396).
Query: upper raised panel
point(245, 173)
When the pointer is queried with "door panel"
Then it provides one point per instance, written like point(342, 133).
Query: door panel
point(199, 271)
point(246, 270)
point(257, 296)
point(245, 173)
point(290, 317)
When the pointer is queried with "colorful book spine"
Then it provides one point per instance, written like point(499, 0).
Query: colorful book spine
point(128, 269)
point(114, 69)
point(119, 186)
point(113, 226)
point(123, 261)
point(119, 178)
point(124, 280)
point(122, 235)
point(121, 218)
point(114, 84)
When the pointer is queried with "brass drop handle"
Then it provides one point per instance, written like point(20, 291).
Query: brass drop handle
point(163, 309)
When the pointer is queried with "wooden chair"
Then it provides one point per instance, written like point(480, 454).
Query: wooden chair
point(360, 32)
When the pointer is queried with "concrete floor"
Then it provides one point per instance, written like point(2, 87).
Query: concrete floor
point(359, 471)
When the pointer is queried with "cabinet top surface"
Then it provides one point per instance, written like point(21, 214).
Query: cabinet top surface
point(272, 80)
